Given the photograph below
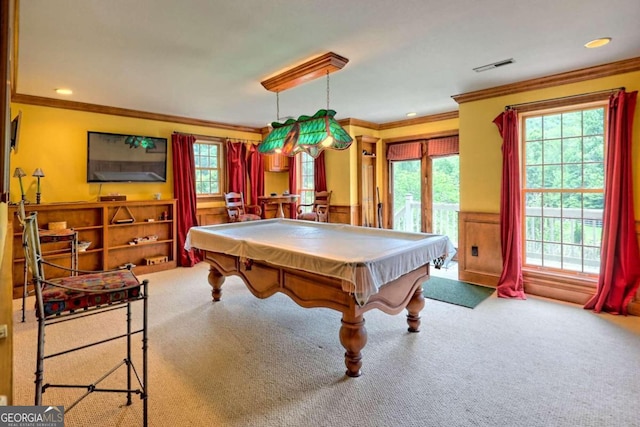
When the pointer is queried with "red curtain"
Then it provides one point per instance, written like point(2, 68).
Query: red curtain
point(293, 184)
point(319, 173)
point(255, 164)
point(184, 190)
point(619, 259)
point(510, 284)
point(236, 167)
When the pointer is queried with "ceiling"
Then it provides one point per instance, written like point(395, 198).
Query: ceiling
point(205, 59)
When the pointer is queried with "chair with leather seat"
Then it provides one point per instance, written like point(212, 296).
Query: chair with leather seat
point(237, 211)
point(81, 294)
point(319, 208)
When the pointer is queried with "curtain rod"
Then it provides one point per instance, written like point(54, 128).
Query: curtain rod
point(217, 137)
point(510, 107)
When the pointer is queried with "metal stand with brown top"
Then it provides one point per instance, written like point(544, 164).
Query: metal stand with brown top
point(59, 236)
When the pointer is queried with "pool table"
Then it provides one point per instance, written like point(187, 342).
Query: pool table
point(342, 267)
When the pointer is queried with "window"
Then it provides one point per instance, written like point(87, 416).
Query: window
point(563, 188)
point(209, 167)
point(306, 182)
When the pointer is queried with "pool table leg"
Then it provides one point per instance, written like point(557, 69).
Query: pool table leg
point(353, 337)
point(216, 279)
point(414, 308)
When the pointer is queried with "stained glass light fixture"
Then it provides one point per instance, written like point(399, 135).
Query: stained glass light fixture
point(311, 134)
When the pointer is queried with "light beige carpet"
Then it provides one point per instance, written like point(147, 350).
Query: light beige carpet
point(250, 362)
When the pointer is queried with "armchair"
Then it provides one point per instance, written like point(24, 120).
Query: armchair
point(237, 211)
point(319, 208)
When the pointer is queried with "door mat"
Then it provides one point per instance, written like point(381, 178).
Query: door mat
point(455, 292)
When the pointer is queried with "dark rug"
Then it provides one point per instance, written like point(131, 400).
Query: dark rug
point(455, 292)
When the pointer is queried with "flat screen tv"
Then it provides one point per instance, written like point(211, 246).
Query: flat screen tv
point(15, 132)
point(113, 157)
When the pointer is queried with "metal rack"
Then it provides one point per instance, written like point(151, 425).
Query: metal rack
point(52, 236)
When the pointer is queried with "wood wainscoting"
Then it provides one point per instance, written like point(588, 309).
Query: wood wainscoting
point(482, 230)
point(483, 264)
point(218, 214)
point(211, 216)
point(344, 214)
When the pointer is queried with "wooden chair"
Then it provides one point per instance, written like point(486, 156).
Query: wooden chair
point(81, 294)
point(237, 210)
point(319, 207)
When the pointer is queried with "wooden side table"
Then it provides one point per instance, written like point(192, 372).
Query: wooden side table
point(279, 200)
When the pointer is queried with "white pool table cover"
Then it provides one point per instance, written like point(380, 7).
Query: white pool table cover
point(364, 258)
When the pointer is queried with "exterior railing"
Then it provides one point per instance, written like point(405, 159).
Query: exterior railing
point(570, 243)
point(445, 218)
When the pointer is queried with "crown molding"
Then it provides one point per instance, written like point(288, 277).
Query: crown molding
point(575, 76)
point(606, 70)
point(116, 111)
point(360, 123)
point(400, 123)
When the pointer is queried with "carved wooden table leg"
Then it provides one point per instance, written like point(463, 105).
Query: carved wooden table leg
point(353, 337)
point(216, 279)
point(414, 308)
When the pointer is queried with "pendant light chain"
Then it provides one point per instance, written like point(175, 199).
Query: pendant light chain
point(327, 90)
point(278, 106)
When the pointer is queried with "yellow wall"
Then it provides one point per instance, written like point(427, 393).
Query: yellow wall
point(420, 129)
point(55, 140)
point(276, 182)
point(480, 142)
point(339, 169)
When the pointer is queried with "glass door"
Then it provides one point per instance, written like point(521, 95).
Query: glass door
point(445, 190)
point(406, 193)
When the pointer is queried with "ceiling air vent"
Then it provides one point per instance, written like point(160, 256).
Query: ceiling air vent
point(494, 65)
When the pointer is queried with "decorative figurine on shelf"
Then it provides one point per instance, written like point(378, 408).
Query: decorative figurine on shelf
point(164, 216)
point(146, 239)
point(38, 174)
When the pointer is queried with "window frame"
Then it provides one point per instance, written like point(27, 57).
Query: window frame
point(573, 277)
point(307, 195)
point(222, 171)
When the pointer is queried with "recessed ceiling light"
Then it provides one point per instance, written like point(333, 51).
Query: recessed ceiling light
point(598, 42)
point(64, 91)
point(411, 114)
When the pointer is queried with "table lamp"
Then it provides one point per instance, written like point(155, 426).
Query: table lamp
point(38, 174)
point(19, 173)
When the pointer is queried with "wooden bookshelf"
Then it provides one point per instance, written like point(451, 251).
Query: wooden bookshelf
point(152, 222)
point(367, 180)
